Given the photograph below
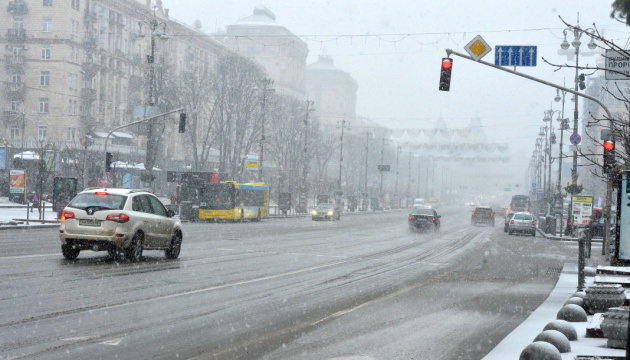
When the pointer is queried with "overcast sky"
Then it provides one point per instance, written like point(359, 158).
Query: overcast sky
point(394, 49)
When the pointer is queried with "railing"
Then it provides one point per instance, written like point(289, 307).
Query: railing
point(14, 59)
point(17, 8)
point(16, 35)
point(13, 87)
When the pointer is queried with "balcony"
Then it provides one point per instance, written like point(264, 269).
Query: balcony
point(14, 90)
point(17, 8)
point(16, 35)
point(14, 60)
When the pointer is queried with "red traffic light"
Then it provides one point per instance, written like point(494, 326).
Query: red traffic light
point(608, 145)
point(446, 63)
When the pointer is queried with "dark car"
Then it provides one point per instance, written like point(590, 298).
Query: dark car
point(325, 212)
point(482, 215)
point(424, 219)
point(508, 216)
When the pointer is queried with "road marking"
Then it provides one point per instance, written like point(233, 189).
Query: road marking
point(26, 256)
point(113, 342)
point(81, 338)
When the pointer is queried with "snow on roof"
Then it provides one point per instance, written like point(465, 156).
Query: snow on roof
point(28, 155)
point(122, 135)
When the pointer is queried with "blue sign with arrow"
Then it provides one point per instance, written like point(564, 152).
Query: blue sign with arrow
point(515, 55)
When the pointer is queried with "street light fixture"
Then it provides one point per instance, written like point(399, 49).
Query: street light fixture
point(577, 34)
point(154, 24)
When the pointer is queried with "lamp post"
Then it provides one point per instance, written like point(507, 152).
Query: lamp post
point(304, 198)
point(154, 24)
point(564, 124)
point(547, 118)
point(577, 34)
point(266, 86)
point(343, 124)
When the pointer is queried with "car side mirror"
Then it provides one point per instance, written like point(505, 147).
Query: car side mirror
point(170, 213)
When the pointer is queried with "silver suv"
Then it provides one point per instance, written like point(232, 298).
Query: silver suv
point(121, 221)
point(522, 222)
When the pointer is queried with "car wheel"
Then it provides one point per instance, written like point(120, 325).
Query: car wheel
point(313, 218)
point(69, 252)
point(534, 233)
point(509, 232)
point(115, 252)
point(505, 229)
point(176, 244)
point(134, 252)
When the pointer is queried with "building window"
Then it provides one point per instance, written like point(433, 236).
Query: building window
point(43, 105)
point(48, 2)
point(44, 78)
point(72, 107)
point(46, 52)
point(16, 77)
point(42, 133)
point(73, 81)
point(47, 25)
point(15, 105)
point(71, 134)
point(14, 136)
point(18, 24)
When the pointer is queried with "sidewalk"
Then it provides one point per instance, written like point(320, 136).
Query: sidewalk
point(15, 216)
point(513, 344)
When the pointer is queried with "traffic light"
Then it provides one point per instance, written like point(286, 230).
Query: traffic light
point(609, 156)
point(108, 161)
point(445, 74)
point(182, 122)
point(582, 79)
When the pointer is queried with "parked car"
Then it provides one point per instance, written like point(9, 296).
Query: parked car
point(482, 215)
point(424, 219)
point(508, 217)
point(522, 222)
point(120, 221)
point(325, 212)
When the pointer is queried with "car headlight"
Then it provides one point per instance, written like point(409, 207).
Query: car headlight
point(330, 212)
point(314, 212)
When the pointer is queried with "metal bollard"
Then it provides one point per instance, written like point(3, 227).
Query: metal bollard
point(43, 206)
point(28, 210)
point(581, 261)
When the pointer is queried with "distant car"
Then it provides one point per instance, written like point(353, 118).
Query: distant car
point(522, 222)
point(508, 216)
point(482, 215)
point(424, 219)
point(325, 212)
point(120, 221)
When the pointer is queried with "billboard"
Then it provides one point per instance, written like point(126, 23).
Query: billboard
point(17, 180)
point(64, 189)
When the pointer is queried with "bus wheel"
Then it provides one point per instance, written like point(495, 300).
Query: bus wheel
point(258, 216)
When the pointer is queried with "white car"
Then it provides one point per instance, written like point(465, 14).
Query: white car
point(522, 222)
point(120, 221)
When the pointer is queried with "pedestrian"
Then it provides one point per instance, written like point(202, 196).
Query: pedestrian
point(35, 201)
point(173, 198)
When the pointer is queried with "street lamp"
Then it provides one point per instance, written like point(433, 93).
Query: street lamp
point(305, 159)
point(266, 86)
point(577, 34)
point(547, 118)
point(154, 24)
point(343, 124)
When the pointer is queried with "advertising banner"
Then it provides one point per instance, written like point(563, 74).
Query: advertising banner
point(49, 159)
point(64, 189)
point(623, 213)
point(3, 157)
point(251, 164)
point(16, 181)
point(582, 210)
point(126, 181)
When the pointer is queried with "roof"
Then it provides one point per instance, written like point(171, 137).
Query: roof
point(115, 191)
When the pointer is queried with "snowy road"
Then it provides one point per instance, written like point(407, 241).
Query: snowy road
point(281, 289)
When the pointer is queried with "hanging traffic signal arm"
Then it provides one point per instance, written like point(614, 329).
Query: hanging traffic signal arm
point(179, 110)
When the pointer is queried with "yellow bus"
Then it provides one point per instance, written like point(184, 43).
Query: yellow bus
point(229, 200)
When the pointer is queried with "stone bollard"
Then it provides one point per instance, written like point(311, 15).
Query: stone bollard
point(572, 313)
point(555, 338)
point(576, 301)
point(564, 327)
point(540, 350)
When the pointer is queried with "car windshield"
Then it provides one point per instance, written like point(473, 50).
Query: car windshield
point(334, 174)
point(108, 201)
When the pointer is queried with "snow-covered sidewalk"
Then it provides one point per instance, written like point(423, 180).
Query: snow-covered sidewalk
point(513, 344)
point(13, 215)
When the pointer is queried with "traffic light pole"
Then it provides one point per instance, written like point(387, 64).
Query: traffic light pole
point(129, 124)
point(605, 248)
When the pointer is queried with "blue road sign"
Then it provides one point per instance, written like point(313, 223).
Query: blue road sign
point(541, 194)
point(508, 55)
point(533, 185)
point(575, 138)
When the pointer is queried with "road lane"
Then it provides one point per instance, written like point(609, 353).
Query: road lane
point(237, 290)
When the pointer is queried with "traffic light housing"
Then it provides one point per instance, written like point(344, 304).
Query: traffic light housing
point(108, 161)
point(182, 122)
point(609, 156)
point(445, 74)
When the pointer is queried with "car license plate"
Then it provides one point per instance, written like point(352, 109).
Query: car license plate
point(89, 222)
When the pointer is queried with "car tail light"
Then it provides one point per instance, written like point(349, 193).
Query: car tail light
point(65, 215)
point(474, 213)
point(433, 219)
point(101, 193)
point(491, 215)
point(411, 218)
point(119, 218)
point(533, 223)
point(512, 222)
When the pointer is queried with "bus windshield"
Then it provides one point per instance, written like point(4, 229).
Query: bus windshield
point(217, 197)
point(520, 203)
